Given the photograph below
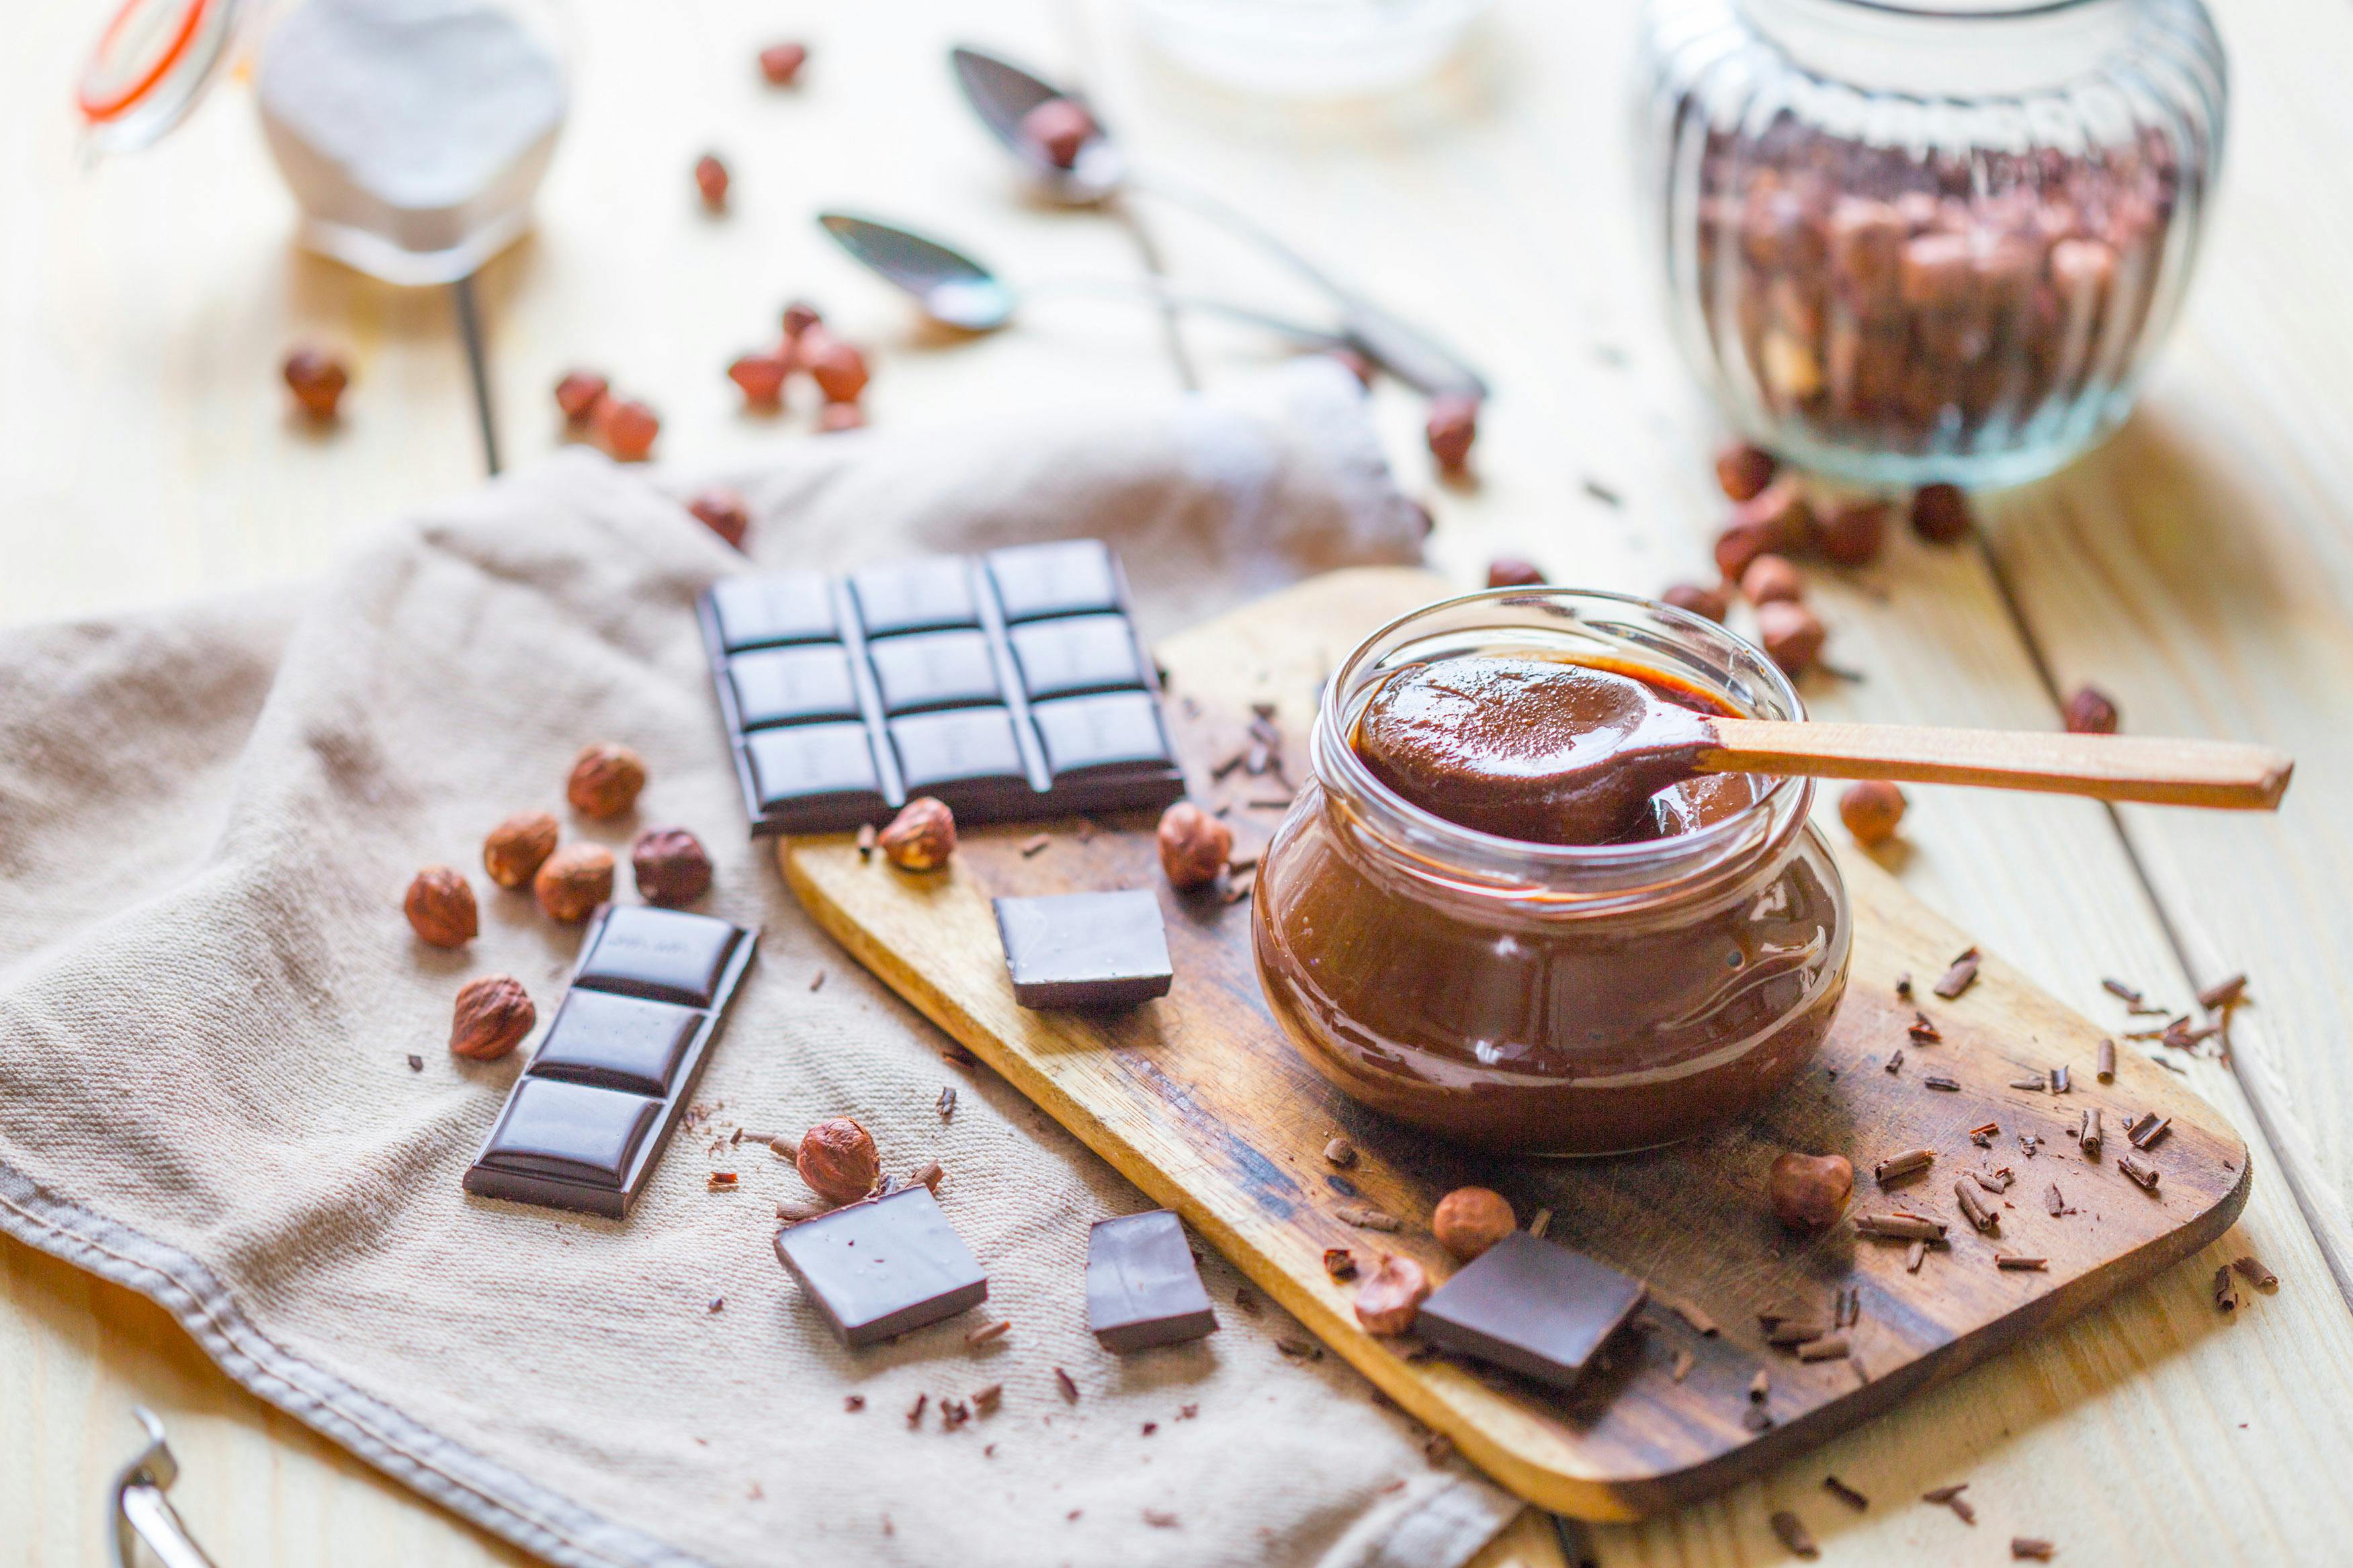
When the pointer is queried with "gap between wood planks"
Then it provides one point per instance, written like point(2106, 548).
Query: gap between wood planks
point(2340, 1268)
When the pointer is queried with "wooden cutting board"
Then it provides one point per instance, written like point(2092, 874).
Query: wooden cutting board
point(1200, 1101)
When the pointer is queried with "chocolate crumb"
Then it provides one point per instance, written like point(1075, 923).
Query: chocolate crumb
point(1793, 1534)
point(916, 1411)
point(1951, 1498)
point(1904, 985)
point(953, 1413)
point(865, 839)
point(1364, 1218)
point(1683, 1366)
point(989, 1332)
point(1895, 1062)
point(1339, 1263)
point(985, 1400)
point(1298, 1349)
point(1761, 1385)
point(1939, 1082)
point(816, 980)
point(1158, 1517)
point(1959, 977)
point(2223, 994)
point(1150, 1427)
point(1341, 1152)
point(1070, 1389)
point(853, 1401)
point(1845, 1493)
point(716, 1303)
point(2121, 992)
point(1033, 844)
point(2053, 1202)
point(1437, 1448)
point(2024, 1547)
point(2254, 1273)
point(1247, 1299)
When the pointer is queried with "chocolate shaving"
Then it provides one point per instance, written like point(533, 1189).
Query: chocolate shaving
point(1951, 1498)
point(2037, 1083)
point(1845, 1493)
point(1367, 1218)
point(989, 1331)
point(2138, 1170)
point(1939, 1082)
point(2121, 992)
point(1033, 844)
point(1895, 1062)
point(916, 1411)
point(2226, 1299)
point(865, 839)
point(2148, 1130)
point(1995, 1182)
point(722, 1182)
point(1541, 1224)
point(1070, 1389)
point(945, 1104)
point(953, 1413)
point(2223, 994)
point(2011, 1260)
point(2106, 1071)
point(1793, 1534)
point(2254, 1273)
point(985, 1400)
point(1683, 1366)
point(2060, 1082)
point(1923, 1032)
point(1830, 1347)
point(2023, 1547)
point(2089, 1135)
point(1897, 1166)
point(1339, 1263)
point(1973, 1208)
point(1701, 1324)
point(1796, 1331)
point(1900, 1227)
point(1298, 1349)
point(1159, 1518)
point(1760, 1385)
point(1913, 1256)
point(1959, 977)
point(2053, 1202)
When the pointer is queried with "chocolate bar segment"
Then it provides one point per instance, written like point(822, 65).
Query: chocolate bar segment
point(1085, 950)
point(1532, 1307)
point(1011, 686)
point(589, 1119)
point(882, 1267)
point(1143, 1288)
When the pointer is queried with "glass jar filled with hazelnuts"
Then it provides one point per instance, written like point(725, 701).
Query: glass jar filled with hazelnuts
point(1923, 240)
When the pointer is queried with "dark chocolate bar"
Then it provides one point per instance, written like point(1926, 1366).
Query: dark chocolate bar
point(884, 1266)
point(589, 1118)
point(1010, 685)
point(1530, 1306)
point(1143, 1288)
point(1085, 950)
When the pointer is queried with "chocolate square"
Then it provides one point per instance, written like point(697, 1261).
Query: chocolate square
point(1069, 577)
point(959, 746)
point(570, 1133)
point(879, 1268)
point(762, 612)
point(793, 685)
point(617, 1042)
point(664, 955)
point(934, 669)
point(1075, 654)
point(1085, 950)
point(1143, 1288)
point(1532, 1307)
point(916, 596)
point(1112, 732)
point(804, 764)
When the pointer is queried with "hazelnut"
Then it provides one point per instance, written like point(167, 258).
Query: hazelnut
point(837, 367)
point(1809, 1192)
point(761, 379)
point(1060, 129)
point(1193, 845)
point(605, 781)
point(1739, 545)
point(518, 846)
point(724, 513)
point(1871, 810)
point(1711, 604)
point(1452, 426)
point(1743, 471)
point(1940, 513)
point(711, 179)
point(1509, 571)
point(780, 64)
point(671, 865)
point(1391, 1294)
point(579, 392)
point(574, 881)
point(1771, 577)
point(835, 418)
point(626, 428)
point(1854, 532)
point(1470, 1220)
point(494, 1014)
point(1792, 634)
point(440, 908)
point(2092, 711)
point(1781, 512)
point(921, 837)
point(799, 317)
point(317, 380)
point(837, 1159)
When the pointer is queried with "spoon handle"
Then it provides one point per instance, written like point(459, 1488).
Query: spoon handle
point(2227, 775)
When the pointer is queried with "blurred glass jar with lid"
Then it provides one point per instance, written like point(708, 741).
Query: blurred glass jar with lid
point(413, 134)
point(1915, 240)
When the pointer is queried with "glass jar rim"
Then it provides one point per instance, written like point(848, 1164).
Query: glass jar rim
point(1588, 877)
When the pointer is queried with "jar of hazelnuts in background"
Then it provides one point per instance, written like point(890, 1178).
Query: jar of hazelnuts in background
point(1915, 240)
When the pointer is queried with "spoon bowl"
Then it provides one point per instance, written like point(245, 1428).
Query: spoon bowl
point(1001, 93)
point(950, 286)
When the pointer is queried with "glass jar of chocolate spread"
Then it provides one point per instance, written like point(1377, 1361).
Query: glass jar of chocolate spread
point(1550, 997)
point(1914, 240)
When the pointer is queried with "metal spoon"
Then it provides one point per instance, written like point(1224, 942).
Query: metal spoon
point(951, 286)
point(1000, 93)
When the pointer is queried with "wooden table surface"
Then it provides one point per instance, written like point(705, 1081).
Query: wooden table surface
point(2199, 567)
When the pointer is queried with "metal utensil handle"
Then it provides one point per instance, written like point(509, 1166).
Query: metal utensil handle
point(1138, 289)
point(143, 1510)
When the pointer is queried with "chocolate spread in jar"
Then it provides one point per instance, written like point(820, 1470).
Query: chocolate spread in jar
point(1515, 1017)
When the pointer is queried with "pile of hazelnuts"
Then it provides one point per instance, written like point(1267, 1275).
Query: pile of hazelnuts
point(836, 365)
point(569, 880)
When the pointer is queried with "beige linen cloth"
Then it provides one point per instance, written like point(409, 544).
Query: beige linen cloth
point(209, 1003)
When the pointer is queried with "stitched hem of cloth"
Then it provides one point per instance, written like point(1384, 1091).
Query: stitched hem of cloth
point(475, 1489)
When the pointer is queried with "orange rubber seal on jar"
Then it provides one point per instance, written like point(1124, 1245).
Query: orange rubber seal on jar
point(92, 96)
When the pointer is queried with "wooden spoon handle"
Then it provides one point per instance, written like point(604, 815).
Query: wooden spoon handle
point(2164, 772)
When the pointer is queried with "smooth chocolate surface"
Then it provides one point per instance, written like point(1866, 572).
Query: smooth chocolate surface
point(1143, 1288)
point(1532, 1307)
point(587, 1121)
point(1010, 685)
point(1532, 749)
point(882, 1267)
point(1085, 950)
